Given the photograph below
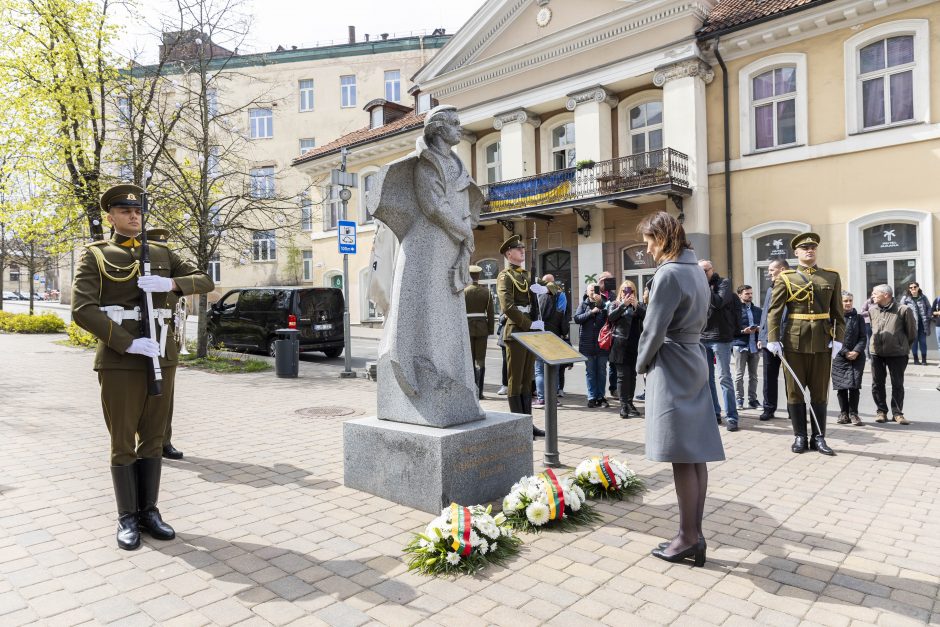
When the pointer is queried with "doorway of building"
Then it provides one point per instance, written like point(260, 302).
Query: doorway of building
point(558, 263)
point(638, 267)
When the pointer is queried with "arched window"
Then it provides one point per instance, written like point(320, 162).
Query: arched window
point(494, 163)
point(333, 278)
point(491, 268)
point(646, 127)
point(886, 76)
point(764, 243)
point(773, 95)
point(563, 148)
point(892, 247)
point(638, 266)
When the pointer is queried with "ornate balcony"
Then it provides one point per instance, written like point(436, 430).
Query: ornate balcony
point(662, 172)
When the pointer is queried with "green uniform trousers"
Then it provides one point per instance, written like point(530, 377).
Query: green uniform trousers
point(136, 422)
point(478, 351)
point(813, 370)
point(520, 368)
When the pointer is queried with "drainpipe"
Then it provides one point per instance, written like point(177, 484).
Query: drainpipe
point(729, 248)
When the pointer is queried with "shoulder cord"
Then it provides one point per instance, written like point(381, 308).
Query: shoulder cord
point(133, 268)
point(522, 287)
point(801, 293)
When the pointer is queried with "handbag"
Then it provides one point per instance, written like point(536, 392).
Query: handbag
point(606, 337)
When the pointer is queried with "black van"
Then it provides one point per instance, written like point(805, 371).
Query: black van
point(248, 318)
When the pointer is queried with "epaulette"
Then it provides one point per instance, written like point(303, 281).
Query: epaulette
point(100, 242)
point(788, 271)
point(163, 244)
point(830, 270)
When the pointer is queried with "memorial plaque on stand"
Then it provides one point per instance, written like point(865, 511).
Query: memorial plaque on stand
point(555, 352)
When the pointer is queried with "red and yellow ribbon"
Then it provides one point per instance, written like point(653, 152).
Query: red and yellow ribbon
point(605, 473)
point(556, 496)
point(460, 529)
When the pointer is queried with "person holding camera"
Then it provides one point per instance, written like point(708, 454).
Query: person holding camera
point(592, 315)
point(626, 315)
point(746, 351)
point(717, 337)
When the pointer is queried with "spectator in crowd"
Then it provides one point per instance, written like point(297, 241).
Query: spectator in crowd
point(626, 315)
point(849, 364)
point(717, 337)
point(556, 322)
point(915, 300)
point(679, 428)
point(866, 318)
point(591, 315)
point(609, 291)
point(561, 304)
point(771, 362)
point(935, 316)
point(746, 353)
point(893, 330)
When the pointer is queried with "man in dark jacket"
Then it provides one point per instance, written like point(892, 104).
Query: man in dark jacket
point(893, 330)
point(717, 337)
point(746, 353)
point(556, 322)
point(771, 362)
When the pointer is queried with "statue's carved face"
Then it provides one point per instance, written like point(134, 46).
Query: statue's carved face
point(445, 125)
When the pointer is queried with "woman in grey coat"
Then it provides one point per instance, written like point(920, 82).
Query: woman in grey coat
point(680, 424)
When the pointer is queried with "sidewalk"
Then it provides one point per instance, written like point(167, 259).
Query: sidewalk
point(267, 533)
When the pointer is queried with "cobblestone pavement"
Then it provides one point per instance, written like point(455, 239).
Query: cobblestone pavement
point(267, 533)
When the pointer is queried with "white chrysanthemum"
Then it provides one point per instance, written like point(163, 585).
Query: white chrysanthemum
point(474, 537)
point(533, 493)
point(484, 547)
point(453, 559)
point(537, 513)
point(493, 547)
point(579, 493)
point(511, 503)
point(574, 503)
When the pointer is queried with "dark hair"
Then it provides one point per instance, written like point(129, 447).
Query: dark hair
point(780, 261)
point(665, 231)
point(741, 288)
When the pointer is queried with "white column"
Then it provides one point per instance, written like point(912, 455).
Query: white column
point(464, 150)
point(684, 130)
point(590, 250)
point(517, 142)
point(592, 131)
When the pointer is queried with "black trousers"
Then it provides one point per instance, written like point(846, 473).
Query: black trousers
point(771, 374)
point(880, 368)
point(626, 378)
point(848, 401)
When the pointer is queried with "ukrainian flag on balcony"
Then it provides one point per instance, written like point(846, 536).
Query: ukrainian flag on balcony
point(537, 190)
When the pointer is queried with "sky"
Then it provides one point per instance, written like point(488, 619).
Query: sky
point(305, 23)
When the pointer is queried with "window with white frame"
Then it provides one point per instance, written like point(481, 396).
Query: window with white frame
point(563, 152)
point(646, 127)
point(124, 110)
point(331, 208)
point(306, 214)
point(262, 182)
point(261, 123)
point(771, 247)
point(887, 77)
point(367, 182)
point(308, 265)
point(890, 255)
point(212, 102)
point(306, 94)
point(773, 95)
point(347, 86)
point(393, 86)
point(263, 246)
point(377, 117)
point(494, 163)
point(424, 102)
point(307, 144)
point(215, 268)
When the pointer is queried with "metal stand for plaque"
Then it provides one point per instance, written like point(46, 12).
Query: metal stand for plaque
point(554, 352)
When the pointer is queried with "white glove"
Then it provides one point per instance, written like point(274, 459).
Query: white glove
point(537, 325)
point(836, 347)
point(144, 346)
point(775, 348)
point(535, 288)
point(154, 283)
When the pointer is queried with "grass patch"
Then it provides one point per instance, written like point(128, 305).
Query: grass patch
point(226, 365)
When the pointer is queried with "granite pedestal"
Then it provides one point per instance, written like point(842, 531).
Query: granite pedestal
point(428, 467)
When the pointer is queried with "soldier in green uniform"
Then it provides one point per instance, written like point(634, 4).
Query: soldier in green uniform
point(814, 330)
point(480, 322)
point(105, 302)
point(518, 303)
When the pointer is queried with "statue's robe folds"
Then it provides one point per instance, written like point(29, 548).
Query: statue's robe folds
point(424, 199)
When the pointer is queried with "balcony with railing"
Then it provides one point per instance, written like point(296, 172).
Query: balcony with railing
point(662, 172)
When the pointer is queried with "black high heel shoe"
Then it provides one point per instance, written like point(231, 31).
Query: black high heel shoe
point(663, 545)
point(696, 551)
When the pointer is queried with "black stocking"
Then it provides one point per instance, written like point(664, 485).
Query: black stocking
point(702, 472)
point(687, 490)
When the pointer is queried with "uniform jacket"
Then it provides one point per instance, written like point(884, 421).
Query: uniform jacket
point(846, 373)
point(804, 292)
point(893, 330)
point(512, 289)
point(106, 274)
point(479, 301)
point(591, 325)
point(722, 316)
point(743, 339)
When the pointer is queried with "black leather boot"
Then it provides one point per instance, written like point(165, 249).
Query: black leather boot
point(798, 420)
point(125, 494)
point(148, 489)
point(171, 452)
point(818, 441)
point(480, 383)
point(515, 404)
point(527, 409)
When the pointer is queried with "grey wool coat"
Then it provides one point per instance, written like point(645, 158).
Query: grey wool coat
point(680, 418)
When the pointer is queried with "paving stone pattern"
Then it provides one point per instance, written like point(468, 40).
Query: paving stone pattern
point(268, 534)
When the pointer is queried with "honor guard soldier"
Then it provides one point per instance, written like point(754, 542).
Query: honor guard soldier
point(813, 332)
point(518, 304)
point(106, 298)
point(480, 322)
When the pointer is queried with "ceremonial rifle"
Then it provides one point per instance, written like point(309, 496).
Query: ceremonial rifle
point(148, 320)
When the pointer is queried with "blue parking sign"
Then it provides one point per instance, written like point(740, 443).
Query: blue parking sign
point(346, 235)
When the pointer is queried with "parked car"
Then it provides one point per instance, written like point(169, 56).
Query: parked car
point(10, 295)
point(248, 318)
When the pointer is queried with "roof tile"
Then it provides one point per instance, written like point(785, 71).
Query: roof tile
point(365, 135)
point(730, 13)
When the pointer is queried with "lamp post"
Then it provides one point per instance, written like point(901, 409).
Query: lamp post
point(345, 195)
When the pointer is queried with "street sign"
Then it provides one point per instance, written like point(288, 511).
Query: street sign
point(346, 179)
point(346, 234)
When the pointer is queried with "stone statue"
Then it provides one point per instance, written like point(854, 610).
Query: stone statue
point(431, 204)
